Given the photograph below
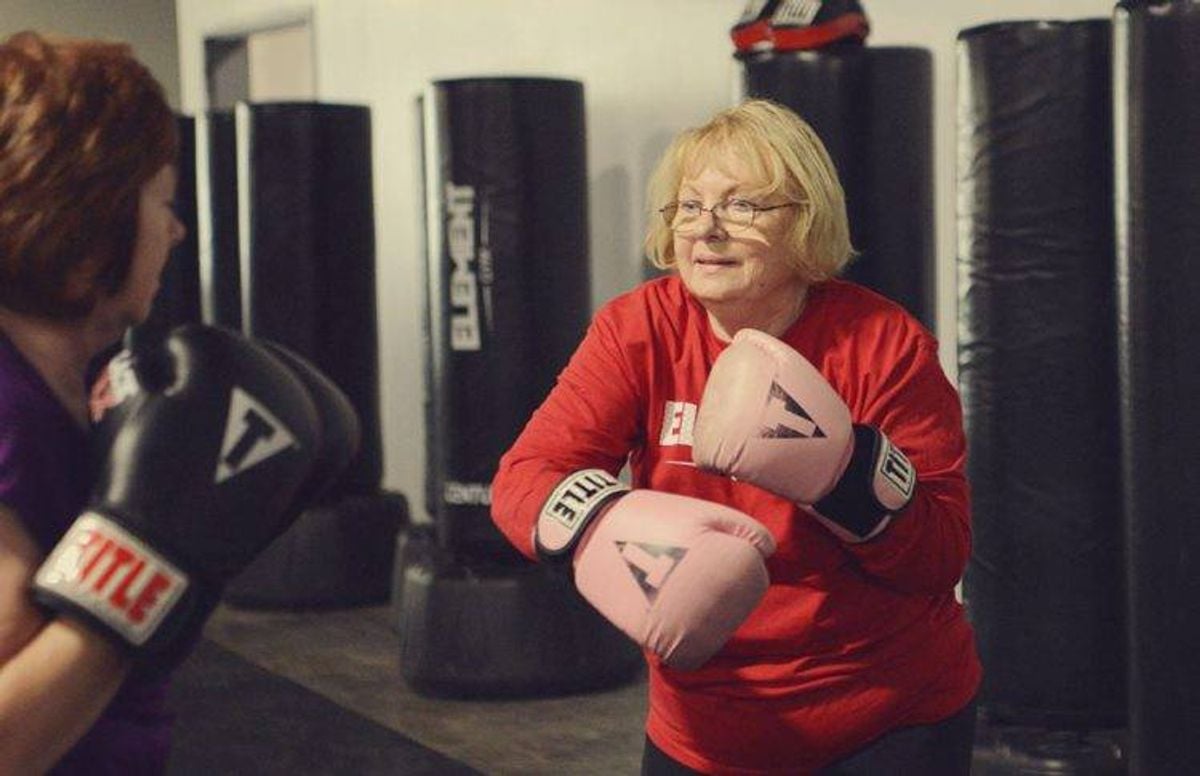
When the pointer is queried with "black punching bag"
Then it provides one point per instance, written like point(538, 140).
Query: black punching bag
point(1157, 120)
point(508, 301)
point(509, 283)
point(873, 110)
point(1037, 374)
point(306, 280)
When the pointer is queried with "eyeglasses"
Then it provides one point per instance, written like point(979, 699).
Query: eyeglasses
point(687, 217)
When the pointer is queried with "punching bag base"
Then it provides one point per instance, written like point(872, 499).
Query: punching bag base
point(501, 632)
point(1004, 750)
point(336, 554)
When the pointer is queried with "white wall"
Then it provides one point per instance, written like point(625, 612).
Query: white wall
point(147, 25)
point(281, 64)
point(650, 67)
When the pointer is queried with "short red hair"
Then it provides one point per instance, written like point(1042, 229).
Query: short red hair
point(83, 125)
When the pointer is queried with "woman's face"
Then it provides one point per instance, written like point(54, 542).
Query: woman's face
point(747, 266)
point(159, 230)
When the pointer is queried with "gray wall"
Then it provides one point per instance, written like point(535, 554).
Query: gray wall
point(147, 25)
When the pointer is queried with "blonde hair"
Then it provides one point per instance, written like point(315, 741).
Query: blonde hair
point(788, 159)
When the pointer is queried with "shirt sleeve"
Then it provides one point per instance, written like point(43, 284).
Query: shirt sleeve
point(928, 544)
point(590, 420)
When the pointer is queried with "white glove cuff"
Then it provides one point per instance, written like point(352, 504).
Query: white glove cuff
point(572, 505)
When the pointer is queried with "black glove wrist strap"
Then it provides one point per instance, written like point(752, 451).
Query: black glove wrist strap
point(878, 482)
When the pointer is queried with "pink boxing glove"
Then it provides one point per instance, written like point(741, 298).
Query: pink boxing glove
point(678, 575)
point(768, 417)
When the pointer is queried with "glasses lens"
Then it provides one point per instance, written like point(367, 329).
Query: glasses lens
point(684, 218)
point(736, 214)
point(690, 217)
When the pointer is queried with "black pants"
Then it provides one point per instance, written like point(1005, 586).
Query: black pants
point(940, 749)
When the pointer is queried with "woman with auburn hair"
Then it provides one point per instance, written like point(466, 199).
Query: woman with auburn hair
point(87, 183)
point(798, 519)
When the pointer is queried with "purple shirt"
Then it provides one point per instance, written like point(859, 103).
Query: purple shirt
point(45, 479)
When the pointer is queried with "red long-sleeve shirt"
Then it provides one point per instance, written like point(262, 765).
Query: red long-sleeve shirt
point(850, 641)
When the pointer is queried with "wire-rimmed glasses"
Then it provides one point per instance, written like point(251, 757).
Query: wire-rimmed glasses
point(686, 217)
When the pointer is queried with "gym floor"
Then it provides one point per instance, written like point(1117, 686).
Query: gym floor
point(350, 657)
point(322, 692)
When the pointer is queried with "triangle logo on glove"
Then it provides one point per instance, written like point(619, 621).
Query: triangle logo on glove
point(650, 564)
point(252, 435)
point(800, 425)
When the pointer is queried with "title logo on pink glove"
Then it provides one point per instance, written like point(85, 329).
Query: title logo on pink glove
point(650, 564)
point(799, 424)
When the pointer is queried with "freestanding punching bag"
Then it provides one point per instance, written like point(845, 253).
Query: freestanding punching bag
point(1037, 374)
point(306, 279)
point(1157, 121)
point(508, 280)
point(873, 110)
point(508, 302)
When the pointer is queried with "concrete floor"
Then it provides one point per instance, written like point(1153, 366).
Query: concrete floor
point(351, 657)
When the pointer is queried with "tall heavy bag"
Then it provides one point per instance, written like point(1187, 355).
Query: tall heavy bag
point(508, 279)
point(508, 302)
point(1156, 73)
point(1037, 371)
point(873, 109)
point(305, 236)
point(307, 248)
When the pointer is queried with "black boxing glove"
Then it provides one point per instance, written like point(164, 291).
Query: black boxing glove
point(341, 433)
point(206, 443)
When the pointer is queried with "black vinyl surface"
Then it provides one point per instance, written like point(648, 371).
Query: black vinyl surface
point(1157, 80)
point(872, 108)
point(310, 266)
point(1037, 371)
point(233, 717)
point(509, 287)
